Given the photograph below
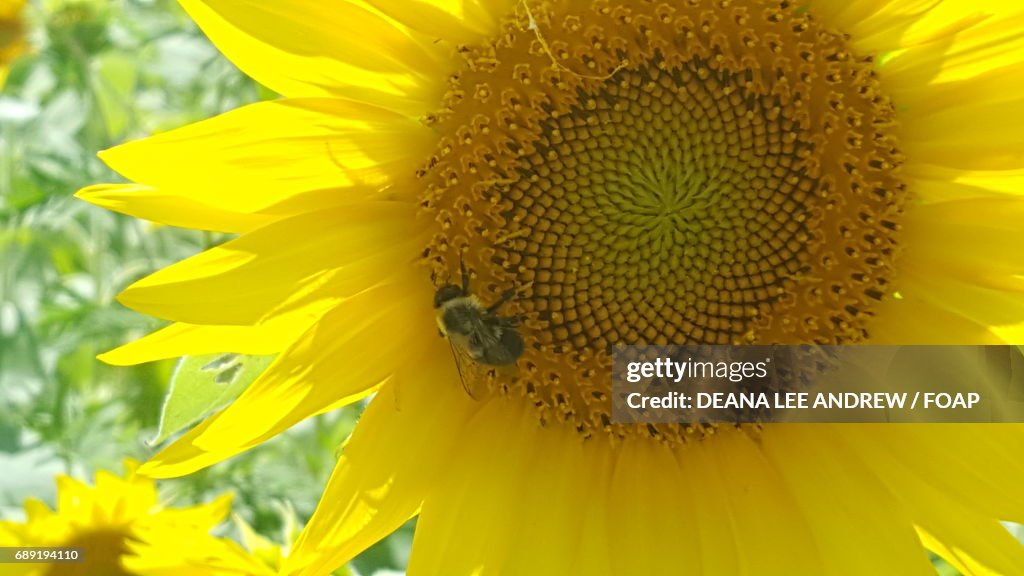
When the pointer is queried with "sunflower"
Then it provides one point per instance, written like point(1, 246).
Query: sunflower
point(159, 552)
point(105, 521)
point(162, 550)
point(12, 35)
point(636, 171)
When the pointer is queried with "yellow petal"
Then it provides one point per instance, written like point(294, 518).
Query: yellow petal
point(946, 239)
point(959, 530)
point(975, 464)
point(161, 550)
point(902, 24)
point(154, 205)
point(553, 506)
point(973, 545)
point(968, 298)
point(991, 42)
point(341, 359)
point(975, 137)
point(254, 542)
point(71, 495)
point(976, 544)
point(203, 516)
point(878, 26)
point(172, 209)
point(464, 525)
point(323, 255)
point(403, 441)
point(737, 488)
point(180, 339)
point(455, 21)
point(651, 510)
point(595, 545)
point(258, 156)
point(865, 529)
point(913, 320)
point(122, 500)
point(36, 510)
point(1011, 333)
point(931, 183)
point(314, 48)
point(916, 102)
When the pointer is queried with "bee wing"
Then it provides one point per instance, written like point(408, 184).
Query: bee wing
point(473, 374)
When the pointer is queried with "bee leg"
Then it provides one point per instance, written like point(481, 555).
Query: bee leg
point(511, 321)
point(505, 297)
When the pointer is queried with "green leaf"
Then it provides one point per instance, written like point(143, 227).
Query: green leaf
point(202, 384)
point(24, 193)
point(114, 85)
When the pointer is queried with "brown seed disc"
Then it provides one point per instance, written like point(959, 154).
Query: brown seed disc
point(663, 173)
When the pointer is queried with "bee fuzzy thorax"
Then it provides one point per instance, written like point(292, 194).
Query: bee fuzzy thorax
point(452, 312)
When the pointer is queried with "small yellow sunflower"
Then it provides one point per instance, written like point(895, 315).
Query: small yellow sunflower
point(637, 171)
point(192, 552)
point(106, 521)
point(162, 550)
point(12, 35)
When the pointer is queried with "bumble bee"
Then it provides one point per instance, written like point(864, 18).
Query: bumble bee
point(478, 336)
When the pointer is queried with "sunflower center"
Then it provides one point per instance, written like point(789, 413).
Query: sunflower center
point(102, 552)
point(639, 172)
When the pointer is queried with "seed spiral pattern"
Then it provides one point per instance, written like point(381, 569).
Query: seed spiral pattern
point(643, 172)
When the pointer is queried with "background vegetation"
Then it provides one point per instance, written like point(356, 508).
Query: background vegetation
point(100, 73)
point(103, 72)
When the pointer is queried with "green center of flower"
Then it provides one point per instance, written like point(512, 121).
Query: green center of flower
point(675, 173)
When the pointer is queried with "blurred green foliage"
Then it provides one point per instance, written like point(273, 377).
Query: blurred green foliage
point(101, 73)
